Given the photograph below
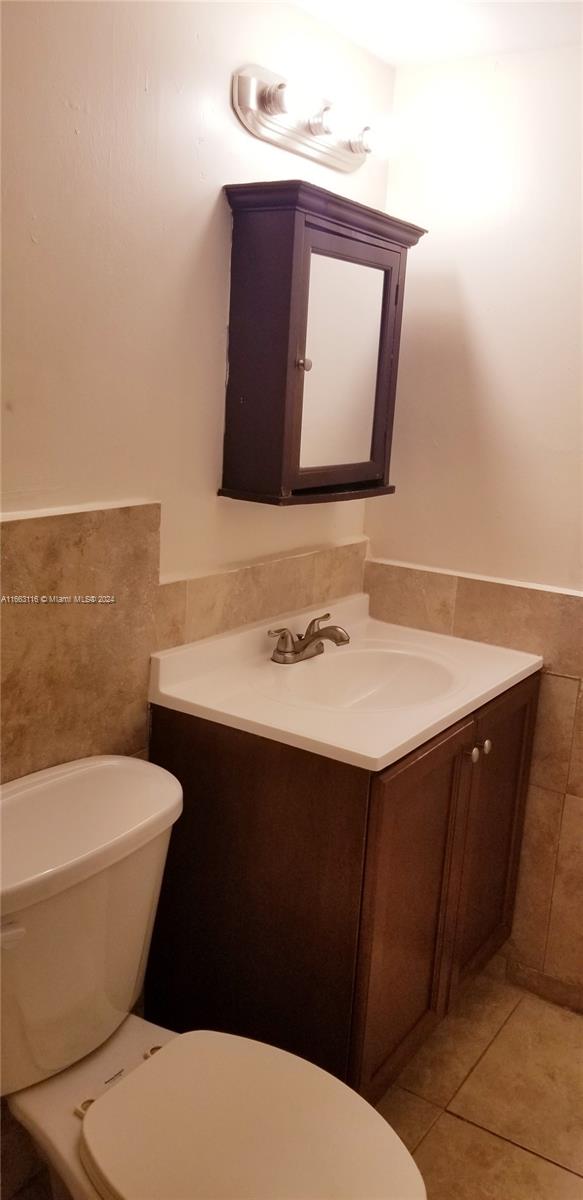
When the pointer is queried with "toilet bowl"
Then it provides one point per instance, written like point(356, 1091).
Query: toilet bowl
point(209, 1116)
point(122, 1109)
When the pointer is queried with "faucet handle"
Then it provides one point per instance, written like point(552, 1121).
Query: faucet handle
point(314, 626)
point(285, 638)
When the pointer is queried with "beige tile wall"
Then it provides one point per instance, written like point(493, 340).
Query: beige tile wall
point(196, 608)
point(545, 952)
point(74, 676)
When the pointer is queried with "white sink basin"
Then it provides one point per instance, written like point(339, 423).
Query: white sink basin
point(371, 677)
point(368, 703)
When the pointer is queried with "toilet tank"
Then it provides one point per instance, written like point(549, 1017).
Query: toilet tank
point(83, 852)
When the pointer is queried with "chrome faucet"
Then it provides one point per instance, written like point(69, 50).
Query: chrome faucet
point(292, 649)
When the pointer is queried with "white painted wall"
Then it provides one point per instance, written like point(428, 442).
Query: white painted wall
point(118, 137)
point(488, 454)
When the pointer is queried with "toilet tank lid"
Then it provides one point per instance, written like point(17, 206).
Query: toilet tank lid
point(64, 824)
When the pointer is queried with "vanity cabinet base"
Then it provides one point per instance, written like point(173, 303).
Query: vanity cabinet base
point(258, 920)
point(328, 910)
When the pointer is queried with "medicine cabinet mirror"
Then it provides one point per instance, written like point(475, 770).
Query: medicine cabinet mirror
point(314, 326)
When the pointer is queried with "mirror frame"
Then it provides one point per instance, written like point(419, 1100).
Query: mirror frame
point(330, 245)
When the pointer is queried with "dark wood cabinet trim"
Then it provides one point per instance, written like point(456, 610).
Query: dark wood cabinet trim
point(298, 312)
point(358, 491)
point(253, 448)
point(527, 692)
point(311, 200)
point(523, 695)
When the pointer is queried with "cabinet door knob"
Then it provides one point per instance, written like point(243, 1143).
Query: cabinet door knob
point(305, 364)
point(486, 745)
point(474, 754)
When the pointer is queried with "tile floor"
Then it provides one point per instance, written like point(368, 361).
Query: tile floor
point(492, 1104)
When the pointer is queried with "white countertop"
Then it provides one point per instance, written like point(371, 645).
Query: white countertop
point(231, 680)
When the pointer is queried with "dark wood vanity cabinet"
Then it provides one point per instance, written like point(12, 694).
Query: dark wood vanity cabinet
point(408, 910)
point(493, 824)
point(314, 325)
point(331, 911)
point(440, 878)
point(258, 920)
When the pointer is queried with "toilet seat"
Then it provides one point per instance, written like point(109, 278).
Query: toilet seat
point(212, 1116)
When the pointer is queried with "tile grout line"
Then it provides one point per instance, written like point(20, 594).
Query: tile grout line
point(542, 787)
point(485, 1050)
point(509, 1141)
point(555, 864)
point(474, 1065)
point(427, 1131)
point(417, 1095)
point(578, 701)
point(454, 605)
point(440, 1114)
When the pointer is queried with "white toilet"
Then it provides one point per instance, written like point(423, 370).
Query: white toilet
point(120, 1108)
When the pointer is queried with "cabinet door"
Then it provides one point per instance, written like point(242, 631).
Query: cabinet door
point(409, 905)
point(494, 826)
point(346, 331)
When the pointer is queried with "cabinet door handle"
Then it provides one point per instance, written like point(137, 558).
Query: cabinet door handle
point(305, 364)
point(486, 745)
point(473, 754)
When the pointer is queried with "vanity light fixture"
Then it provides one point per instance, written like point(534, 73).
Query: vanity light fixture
point(278, 98)
point(324, 121)
point(364, 143)
point(287, 115)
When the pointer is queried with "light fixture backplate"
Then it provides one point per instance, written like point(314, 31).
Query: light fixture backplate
point(286, 129)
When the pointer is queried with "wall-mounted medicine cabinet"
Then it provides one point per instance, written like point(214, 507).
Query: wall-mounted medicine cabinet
point(314, 325)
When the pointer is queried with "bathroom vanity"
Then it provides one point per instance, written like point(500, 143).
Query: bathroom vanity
point(327, 907)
